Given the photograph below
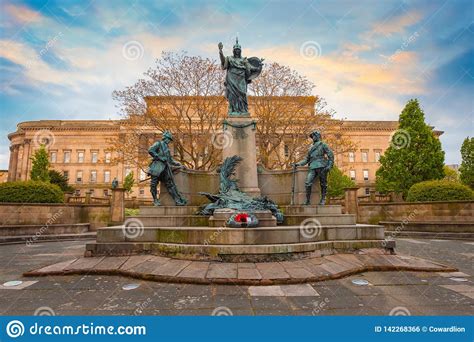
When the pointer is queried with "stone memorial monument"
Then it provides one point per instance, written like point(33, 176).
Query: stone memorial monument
point(240, 71)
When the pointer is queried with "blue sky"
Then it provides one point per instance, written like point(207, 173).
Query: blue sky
point(63, 59)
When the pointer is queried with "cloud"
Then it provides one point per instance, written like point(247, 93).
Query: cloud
point(395, 24)
point(22, 14)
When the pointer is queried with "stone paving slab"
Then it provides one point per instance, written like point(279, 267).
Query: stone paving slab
point(162, 269)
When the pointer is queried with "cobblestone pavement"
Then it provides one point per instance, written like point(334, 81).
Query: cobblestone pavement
point(396, 293)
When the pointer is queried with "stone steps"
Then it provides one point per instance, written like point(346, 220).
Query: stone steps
point(171, 220)
point(168, 210)
point(240, 236)
point(311, 209)
point(430, 235)
point(430, 226)
point(40, 230)
point(240, 253)
point(31, 239)
point(322, 219)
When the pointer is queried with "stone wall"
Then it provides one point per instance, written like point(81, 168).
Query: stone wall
point(416, 211)
point(97, 215)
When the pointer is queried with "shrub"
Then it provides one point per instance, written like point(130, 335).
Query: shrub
point(439, 190)
point(30, 192)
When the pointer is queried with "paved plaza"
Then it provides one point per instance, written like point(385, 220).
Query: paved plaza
point(393, 292)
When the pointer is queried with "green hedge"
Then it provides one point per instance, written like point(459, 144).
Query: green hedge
point(30, 192)
point(439, 190)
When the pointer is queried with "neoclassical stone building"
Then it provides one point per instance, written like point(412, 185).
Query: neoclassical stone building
point(81, 150)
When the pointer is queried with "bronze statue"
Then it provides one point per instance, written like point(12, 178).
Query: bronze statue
point(320, 160)
point(160, 170)
point(240, 72)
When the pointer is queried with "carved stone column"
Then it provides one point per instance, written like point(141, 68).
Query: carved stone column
point(13, 165)
point(26, 159)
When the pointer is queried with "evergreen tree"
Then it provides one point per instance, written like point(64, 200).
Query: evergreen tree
point(61, 180)
point(467, 164)
point(414, 154)
point(128, 182)
point(40, 165)
point(337, 181)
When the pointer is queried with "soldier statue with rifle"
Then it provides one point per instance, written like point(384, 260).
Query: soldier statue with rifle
point(160, 170)
point(320, 160)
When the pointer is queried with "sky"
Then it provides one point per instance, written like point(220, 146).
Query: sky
point(61, 60)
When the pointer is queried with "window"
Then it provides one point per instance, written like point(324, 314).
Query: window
point(80, 156)
point(108, 156)
point(91, 191)
point(106, 176)
point(53, 157)
point(142, 175)
point(377, 155)
point(366, 175)
point(142, 191)
point(93, 176)
point(127, 171)
point(367, 191)
point(66, 174)
point(77, 192)
point(352, 174)
point(106, 192)
point(67, 156)
point(287, 150)
point(94, 156)
point(351, 157)
point(79, 177)
point(364, 156)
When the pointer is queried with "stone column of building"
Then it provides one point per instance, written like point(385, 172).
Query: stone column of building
point(26, 159)
point(13, 165)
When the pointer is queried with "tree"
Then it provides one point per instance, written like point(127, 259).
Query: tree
point(40, 165)
point(467, 165)
point(184, 94)
point(414, 154)
point(450, 174)
point(61, 180)
point(337, 181)
point(128, 182)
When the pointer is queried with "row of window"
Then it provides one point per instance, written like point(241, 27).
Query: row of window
point(80, 156)
point(364, 154)
point(365, 173)
point(93, 176)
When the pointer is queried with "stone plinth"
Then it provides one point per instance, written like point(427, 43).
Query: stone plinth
point(240, 132)
point(117, 204)
point(220, 217)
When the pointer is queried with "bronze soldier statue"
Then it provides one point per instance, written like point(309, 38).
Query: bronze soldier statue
point(320, 160)
point(160, 170)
